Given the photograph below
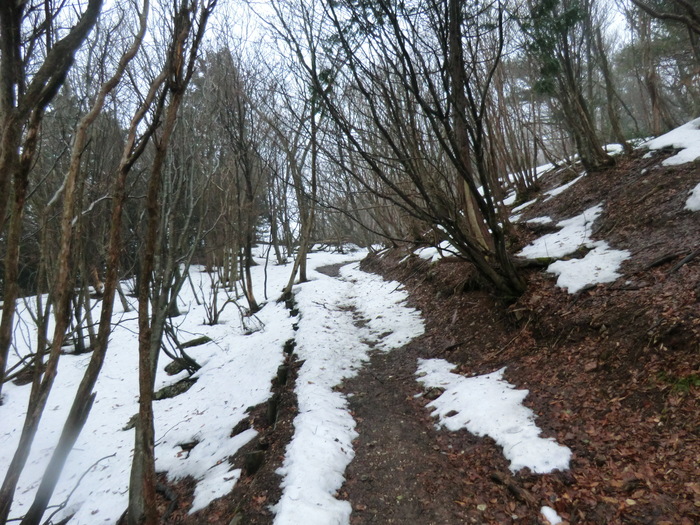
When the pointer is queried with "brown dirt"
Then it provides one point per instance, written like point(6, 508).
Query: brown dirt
point(613, 373)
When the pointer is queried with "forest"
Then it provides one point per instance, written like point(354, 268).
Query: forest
point(141, 139)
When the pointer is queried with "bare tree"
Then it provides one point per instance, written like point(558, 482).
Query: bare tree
point(559, 38)
point(409, 89)
point(189, 22)
point(84, 396)
point(23, 101)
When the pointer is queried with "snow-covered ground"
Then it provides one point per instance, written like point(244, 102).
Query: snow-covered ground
point(237, 368)
point(340, 321)
point(685, 137)
point(333, 345)
point(599, 265)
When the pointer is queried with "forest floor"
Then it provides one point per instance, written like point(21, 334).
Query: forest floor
point(613, 373)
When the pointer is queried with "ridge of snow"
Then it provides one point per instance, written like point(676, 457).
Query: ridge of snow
point(487, 405)
point(333, 347)
point(685, 137)
point(575, 232)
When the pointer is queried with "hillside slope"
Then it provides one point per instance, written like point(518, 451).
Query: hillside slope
point(613, 369)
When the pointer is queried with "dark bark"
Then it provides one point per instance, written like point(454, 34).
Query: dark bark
point(19, 108)
point(82, 403)
point(181, 62)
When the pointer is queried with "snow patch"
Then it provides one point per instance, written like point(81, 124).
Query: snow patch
point(524, 205)
point(510, 199)
point(487, 405)
point(600, 265)
point(614, 149)
point(575, 232)
point(551, 515)
point(236, 373)
point(435, 253)
point(333, 347)
point(686, 138)
point(561, 189)
point(693, 202)
point(540, 220)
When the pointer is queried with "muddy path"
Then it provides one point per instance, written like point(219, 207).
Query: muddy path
point(400, 474)
point(405, 471)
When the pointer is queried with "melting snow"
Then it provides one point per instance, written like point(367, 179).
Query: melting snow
point(551, 515)
point(693, 202)
point(488, 405)
point(686, 138)
point(333, 348)
point(435, 253)
point(574, 233)
point(540, 220)
point(600, 265)
point(561, 189)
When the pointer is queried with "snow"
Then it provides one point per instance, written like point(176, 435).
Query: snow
point(435, 253)
point(614, 149)
point(686, 138)
point(341, 321)
point(540, 220)
point(516, 215)
point(600, 265)
point(237, 367)
point(693, 202)
point(575, 232)
point(561, 189)
point(524, 205)
point(487, 405)
point(551, 515)
point(333, 346)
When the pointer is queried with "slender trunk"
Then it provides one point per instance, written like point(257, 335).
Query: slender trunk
point(610, 98)
point(63, 293)
point(592, 154)
point(11, 273)
point(142, 487)
point(475, 221)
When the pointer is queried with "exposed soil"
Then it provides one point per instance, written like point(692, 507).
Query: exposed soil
point(613, 373)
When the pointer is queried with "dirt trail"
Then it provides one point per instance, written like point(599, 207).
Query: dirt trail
point(400, 473)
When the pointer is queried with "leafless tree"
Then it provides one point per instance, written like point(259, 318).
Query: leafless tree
point(189, 22)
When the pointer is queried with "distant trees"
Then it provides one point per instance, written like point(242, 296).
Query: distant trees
point(408, 91)
point(560, 38)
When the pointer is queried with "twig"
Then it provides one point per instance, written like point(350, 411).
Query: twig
point(520, 493)
point(517, 336)
point(64, 503)
point(685, 260)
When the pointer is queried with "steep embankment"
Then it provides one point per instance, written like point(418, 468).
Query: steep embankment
point(613, 369)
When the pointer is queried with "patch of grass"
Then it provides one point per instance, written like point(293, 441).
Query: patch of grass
point(681, 384)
